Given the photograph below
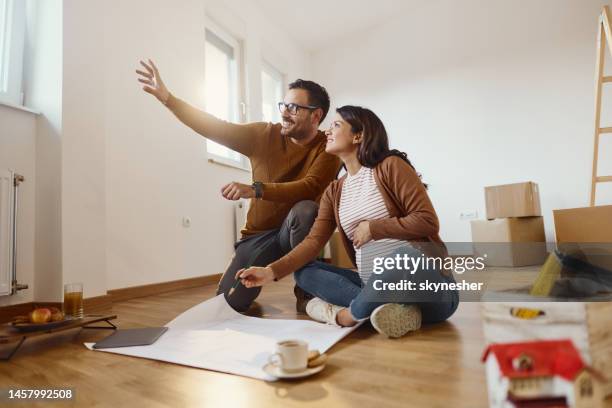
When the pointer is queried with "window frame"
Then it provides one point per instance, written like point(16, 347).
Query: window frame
point(273, 72)
point(238, 89)
point(12, 36)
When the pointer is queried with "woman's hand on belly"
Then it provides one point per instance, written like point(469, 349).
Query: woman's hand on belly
point(362, 235)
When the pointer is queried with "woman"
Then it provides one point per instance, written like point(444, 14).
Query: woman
point(382, 209)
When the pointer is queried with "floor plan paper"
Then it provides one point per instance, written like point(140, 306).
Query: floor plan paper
point(211, 335)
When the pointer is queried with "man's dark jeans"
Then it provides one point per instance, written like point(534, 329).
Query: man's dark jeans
point(264, 248)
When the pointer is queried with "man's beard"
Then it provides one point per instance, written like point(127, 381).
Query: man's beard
point(295, 133)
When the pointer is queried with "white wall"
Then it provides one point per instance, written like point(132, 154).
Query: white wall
point(481, 92)
point(43, 92)
point(17, 152)
point(84, 147)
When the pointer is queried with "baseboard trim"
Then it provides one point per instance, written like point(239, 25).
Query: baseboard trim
point(162, 287)
point(102, 303)
point(105, 302)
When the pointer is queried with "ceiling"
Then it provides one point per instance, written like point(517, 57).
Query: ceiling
point(316, 24)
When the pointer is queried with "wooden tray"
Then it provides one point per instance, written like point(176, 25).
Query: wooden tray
point(31, 327)
point(10, 334)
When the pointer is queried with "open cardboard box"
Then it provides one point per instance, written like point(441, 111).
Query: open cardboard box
point(588, 229)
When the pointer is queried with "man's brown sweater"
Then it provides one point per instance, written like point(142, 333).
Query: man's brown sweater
point(289, 172)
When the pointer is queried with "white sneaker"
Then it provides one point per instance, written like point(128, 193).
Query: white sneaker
point(395, 320)
point(323, 312)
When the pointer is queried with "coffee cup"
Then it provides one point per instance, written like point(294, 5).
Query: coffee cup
point(291, 355)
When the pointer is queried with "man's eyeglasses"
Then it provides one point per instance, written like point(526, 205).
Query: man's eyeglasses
point(294, 107)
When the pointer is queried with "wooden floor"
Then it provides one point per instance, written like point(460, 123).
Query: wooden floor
point(438, 366)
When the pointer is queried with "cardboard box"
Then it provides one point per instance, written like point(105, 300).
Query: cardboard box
point(513, 200)
point(587, 233)
point(510, 241)
point(339, 256)
point(587, 224)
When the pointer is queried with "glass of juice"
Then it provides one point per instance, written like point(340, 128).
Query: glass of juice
point(73, 300)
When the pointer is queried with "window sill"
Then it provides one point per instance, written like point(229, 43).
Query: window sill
point(227, 163)
point(21, 108)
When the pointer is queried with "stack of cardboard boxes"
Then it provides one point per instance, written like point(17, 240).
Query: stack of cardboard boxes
point(513, 233)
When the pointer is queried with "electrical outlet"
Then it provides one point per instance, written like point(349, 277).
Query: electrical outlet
point(468, 215)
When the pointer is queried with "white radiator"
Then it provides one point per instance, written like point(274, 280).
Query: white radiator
point(240, 212)
point(7, 192)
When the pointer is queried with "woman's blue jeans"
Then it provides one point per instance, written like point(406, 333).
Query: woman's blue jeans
point(343, 287)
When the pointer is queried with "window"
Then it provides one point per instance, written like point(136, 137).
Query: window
point(12, 35)
point(222, 88)
point(586, 387)
point(271, 93)
point(3, 32)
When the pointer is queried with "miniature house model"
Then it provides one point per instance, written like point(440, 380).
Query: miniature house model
point(540, 374)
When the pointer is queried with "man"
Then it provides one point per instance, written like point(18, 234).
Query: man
point(290, 172)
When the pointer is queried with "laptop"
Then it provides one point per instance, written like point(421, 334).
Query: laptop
point(131, 337)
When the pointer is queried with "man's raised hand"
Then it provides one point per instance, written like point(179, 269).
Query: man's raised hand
point(152, 81)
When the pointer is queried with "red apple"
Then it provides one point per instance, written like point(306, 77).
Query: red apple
point(40, 315)
point(56, 314)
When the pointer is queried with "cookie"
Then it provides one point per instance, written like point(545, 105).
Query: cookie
point(315, 362)
point(312, 354)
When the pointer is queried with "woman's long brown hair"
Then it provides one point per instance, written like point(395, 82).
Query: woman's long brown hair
point(374, 147)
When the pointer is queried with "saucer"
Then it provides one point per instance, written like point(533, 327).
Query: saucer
point(275, 371)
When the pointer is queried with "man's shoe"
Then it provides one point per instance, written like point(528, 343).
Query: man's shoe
point(323, 312)
point(395, 320)
point(301, 299)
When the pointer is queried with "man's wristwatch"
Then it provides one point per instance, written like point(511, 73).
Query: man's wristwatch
point(258, 187)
